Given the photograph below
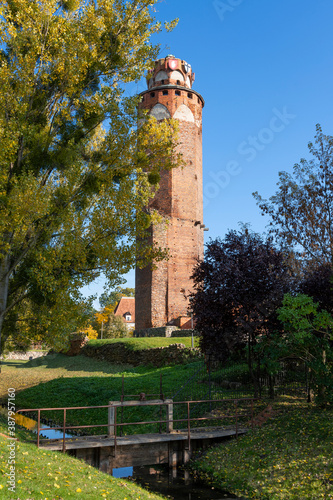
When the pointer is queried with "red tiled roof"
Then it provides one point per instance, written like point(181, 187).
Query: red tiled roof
point(187, 325)
point(124, 306)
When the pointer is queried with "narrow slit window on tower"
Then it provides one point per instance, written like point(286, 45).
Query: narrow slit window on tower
point(162, 82)
point(177, 92)
point(189, 95)
point(152, 94)
point(165, 92)
point(178, 82)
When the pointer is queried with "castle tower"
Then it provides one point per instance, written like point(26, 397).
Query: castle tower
point(160, 292)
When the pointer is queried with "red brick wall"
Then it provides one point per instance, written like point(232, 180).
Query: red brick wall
point(159, 292)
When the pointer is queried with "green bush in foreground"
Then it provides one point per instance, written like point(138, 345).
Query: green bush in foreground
point(42, 474)
point(289, 458)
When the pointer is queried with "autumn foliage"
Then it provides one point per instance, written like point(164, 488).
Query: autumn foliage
point(74, 169)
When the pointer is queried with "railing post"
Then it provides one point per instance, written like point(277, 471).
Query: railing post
point(161, 410)
point(122, 400)
point(64, 433)
point(161, 387)
point(38, 428)
point(188, 425)
point(169, 406)
point(111, 419)
point(115, 431)
point(236, 419)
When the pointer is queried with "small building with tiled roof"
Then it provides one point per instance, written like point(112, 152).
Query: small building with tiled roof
point(126, 309)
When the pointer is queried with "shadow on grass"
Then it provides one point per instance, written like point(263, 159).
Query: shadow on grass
point(99, 390)
point(69, 363)
point(16, 363)
point(96, 391)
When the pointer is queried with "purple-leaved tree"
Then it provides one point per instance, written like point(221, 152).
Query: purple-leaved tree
point(238, 288)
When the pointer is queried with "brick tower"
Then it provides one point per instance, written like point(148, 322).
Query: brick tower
point(160, 292)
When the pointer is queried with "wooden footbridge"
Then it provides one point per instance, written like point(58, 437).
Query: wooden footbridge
point(169, 446)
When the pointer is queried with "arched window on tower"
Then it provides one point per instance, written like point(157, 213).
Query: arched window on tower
point(161, 75)
point(160, 112)
point(178, 76)
point(184, 113)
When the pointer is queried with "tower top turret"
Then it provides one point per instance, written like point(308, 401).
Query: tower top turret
point(170, 71)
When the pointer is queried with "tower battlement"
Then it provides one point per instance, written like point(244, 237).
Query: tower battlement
point(171, 71)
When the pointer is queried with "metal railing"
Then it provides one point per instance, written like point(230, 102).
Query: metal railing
point(236, 415)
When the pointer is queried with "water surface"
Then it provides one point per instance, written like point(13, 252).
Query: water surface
point(31, 425)
point(176, 483)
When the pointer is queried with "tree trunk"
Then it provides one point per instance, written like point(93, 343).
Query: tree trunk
point(321, 386)
point(310, 390)
point(258, 375)
point(4, 286)
point(253, 375)
point(271, 386)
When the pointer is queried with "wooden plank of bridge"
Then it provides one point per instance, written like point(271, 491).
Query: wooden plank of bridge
point(135, 439)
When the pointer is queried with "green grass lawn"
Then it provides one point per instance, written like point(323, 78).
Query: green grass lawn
point(51, 475)
point(289, 458)
point(82, 381)
point(24, 374)
point(60, 381)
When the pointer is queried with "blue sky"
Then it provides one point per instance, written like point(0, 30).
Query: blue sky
point(265, 70)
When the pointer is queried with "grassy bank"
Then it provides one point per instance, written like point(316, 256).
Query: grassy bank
point(82, 381)
point(50, 475)
point(289, 458)
point(153, 351)
point(26, 374)
point(61, 381)
point(139, 343)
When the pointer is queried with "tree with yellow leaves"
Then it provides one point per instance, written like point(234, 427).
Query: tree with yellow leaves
point(103, 315)
point(90, 332)
point(74, 172)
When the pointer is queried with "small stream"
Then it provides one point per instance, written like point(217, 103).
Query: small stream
point(31, 425)
point(176, 483)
